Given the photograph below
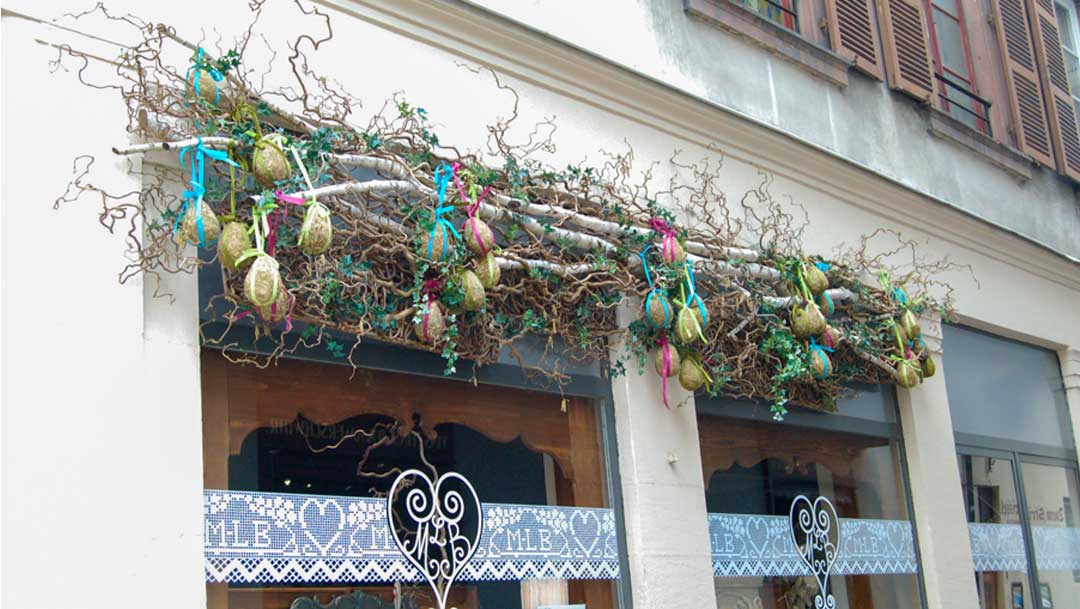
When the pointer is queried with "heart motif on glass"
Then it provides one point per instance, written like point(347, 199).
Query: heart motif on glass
point(437, 526)
point(815, 531)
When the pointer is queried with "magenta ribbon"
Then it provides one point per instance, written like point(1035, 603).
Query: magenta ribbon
point(665, 349)
point(271, 239)
point(471, 208)
point(667, 244)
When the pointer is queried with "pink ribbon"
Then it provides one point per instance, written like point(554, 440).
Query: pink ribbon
point(667, 244)
point(665, 349)
point(271, 239)
point(471, 208)
point(273, 311)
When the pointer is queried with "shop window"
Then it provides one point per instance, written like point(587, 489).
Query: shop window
point(954, 71)
point(755, 470)
point(299, 458)
point(1017, 463)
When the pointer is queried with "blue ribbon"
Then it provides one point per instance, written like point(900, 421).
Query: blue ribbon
point(822, 266)
point(443, 175)
point(198, 189)
point(691, 285)
point(214, 74)
point(814, 346)
point(653, 292)
point(828, 299)
point(899, 295)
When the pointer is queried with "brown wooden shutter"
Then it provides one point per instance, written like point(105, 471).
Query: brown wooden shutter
point(1022, 78)
point(907, 47)
point(1059, 102)
point(852, 33)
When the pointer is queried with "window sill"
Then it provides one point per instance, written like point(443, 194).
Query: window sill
point(731, 17)
point(1006, 157)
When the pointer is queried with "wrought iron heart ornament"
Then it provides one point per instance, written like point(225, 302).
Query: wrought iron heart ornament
point(437, 526)
point(815, 531)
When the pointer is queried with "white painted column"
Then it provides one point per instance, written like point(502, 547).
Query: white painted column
point(1070, 374)
point(663, 491)
point(944, 544)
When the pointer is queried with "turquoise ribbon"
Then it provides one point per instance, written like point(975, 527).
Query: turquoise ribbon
point(653, 293)
point(198, 188)
point(214, 74)
point(900, 295)
point(443, 174)
point(814, 346)
point(692, 287)
point(822, 266)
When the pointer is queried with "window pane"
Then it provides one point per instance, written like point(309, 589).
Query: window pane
point(1072, 66)
point(951, 44)
point(997, 536)
point(307, 456)
point(753, 473)
point(1003, 389)
point(1053, 506)
point(1064, 15)
point(948, 6)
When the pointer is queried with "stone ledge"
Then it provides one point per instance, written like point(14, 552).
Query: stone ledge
point(817, 60)
point(1006, 157)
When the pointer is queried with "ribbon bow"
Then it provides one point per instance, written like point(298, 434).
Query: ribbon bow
point(443, 175)
point(197, 67)
point(653, 292)
point(815, 347)
point(197, 182)
point(667, 242)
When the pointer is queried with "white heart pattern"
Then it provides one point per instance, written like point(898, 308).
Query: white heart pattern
point(815, 531)
point(440, 528)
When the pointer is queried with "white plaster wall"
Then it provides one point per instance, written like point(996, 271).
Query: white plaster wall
point(101, 420)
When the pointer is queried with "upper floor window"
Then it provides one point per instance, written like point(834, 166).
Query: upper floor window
point(1070, 38)
point(780, 12)
point(953, 68)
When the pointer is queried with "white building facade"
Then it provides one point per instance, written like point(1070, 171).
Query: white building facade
point(961, 492)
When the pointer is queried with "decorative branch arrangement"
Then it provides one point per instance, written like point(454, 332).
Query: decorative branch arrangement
point(382, 231)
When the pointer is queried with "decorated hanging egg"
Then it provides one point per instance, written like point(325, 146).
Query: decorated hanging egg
point(269, 163)
point(473, 291)
point(232, 243)
point(658, 309)
point(816, 279)
point(431, 325)
point(909, 323)
point(907, 373)
point(807, 321)
point(674, 360)
point(280, 309)
point(435, 244)
point(825, 303)
point(831, 337)
point(263, 281)
point(691, 376)
point(211, 228)
point(208, 87)
point(479, 237)
point(927, 367)
point(317, 230)
point(687, 327)
point(671, 251)
point(820, 364)
point(488, 271)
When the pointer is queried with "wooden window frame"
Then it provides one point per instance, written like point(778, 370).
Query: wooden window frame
point(982, 118)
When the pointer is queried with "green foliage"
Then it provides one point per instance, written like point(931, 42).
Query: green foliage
point(793, 366)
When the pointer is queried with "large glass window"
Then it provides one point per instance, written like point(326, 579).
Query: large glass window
point(755, 470)
point(300, 457)
point(953, 68)
point(1018, 467)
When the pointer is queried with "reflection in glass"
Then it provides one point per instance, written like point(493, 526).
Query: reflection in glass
point(759, 468)
point(1053, 507)
point(998, 547)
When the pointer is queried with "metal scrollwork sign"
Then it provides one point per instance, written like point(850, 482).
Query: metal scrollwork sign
point(815, 531)
point(437, 526)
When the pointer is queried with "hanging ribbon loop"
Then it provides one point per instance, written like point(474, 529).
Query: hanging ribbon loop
point(195, 195)
point(198, 67)
point(821, 349)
